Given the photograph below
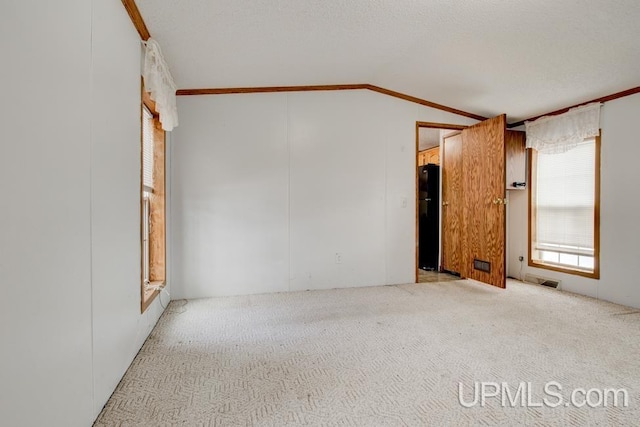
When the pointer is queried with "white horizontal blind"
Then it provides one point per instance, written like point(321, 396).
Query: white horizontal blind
point(147, 149)
point(565, 200)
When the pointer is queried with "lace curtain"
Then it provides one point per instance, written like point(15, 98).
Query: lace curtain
point(159, 83)
point(561, 133)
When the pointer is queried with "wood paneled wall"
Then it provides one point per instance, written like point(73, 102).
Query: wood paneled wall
point(516, 158)
point(157, 233)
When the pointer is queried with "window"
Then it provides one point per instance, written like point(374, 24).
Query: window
point(152, 193)
point(564, 209)
point(147, 188)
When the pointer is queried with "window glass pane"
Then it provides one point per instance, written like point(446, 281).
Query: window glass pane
point(147, 148)
point(549, 256)
point(587, 262)
point(569, 259)
point(565, 202)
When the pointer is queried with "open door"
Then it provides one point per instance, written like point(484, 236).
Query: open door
point(452, 203)
point(484, 210)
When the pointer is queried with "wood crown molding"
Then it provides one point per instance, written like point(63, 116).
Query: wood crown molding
point(425, 102)
point(136, 18)
point(267, 89)
point(603, 99)
point(434, 125)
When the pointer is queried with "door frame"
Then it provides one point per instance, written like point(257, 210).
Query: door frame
point(432, 125)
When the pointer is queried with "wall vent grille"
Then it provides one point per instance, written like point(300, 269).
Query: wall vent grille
point(482, 265)
point(544, 281)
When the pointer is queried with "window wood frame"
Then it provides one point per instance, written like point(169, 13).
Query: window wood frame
point(532, 214)
point(157, 271)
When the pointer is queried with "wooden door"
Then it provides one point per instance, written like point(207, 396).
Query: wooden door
point(452, 203)
point(483, 155)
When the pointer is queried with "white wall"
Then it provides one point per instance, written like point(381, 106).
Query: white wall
point(119, 329)
point(45, 246)
point(619, 229)
point(267, 188)
point(69, 212)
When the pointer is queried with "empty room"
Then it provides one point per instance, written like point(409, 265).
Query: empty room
point(322, 213)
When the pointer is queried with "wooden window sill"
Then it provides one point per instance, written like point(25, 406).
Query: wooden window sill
point(567, 270)
point(149, 295)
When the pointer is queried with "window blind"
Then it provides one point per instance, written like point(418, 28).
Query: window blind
point(565, 198)
point(147, 150)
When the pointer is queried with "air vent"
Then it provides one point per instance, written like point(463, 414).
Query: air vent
point(482, 265)
point(544, 281)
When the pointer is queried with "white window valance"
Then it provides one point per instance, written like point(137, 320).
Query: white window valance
point(561, 133)
point(159, 83)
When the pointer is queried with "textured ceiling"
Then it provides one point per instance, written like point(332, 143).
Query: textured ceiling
point(488, 57)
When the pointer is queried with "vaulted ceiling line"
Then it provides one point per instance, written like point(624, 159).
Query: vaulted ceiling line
point(389, 92)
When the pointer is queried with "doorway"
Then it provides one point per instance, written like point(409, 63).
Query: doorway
point(429, 138)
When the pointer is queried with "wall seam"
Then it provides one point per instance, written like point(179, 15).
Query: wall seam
point(386, 205)
point(287, 124)
point(91, 202)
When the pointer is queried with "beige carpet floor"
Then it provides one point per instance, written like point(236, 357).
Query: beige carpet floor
point(380, 356)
